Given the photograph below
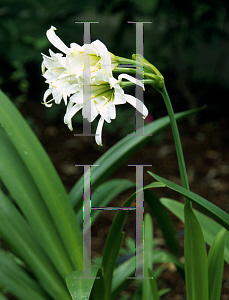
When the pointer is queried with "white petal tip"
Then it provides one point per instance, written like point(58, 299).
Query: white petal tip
point(47, 105)
point(70, 127)
point(98, 134)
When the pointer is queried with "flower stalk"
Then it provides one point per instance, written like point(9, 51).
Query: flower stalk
point(177, 141)
point(153, 76)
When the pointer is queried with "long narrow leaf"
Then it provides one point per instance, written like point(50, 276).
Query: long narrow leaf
point(18, 235)
point(15, 279)
point(45, 177)
point(98, 289)
point(210, 227)
point(112, 246)
point(215, 265)
point(2, 297)
point(149, 286)
point(195, 253)
point(212, 210)
point(116, 155)
point(80, 288)
point(163, 220)
point(161, 256)
point(103, 195)
point(21, 186)
point(126, 269)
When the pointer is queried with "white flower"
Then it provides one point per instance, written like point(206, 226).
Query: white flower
point(62, 73)
point(106, 93)
point(67, 76)
point(61, 83)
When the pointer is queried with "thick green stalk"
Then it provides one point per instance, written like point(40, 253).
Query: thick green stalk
point(180, 156)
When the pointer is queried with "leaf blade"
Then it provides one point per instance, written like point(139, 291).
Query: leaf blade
point(117, 154)
point(45, 177)
point(212, 210)
point(215, 265)
point(196, 264)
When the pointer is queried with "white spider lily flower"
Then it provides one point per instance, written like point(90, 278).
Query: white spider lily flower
point(106, 93)
point(62, 72)
point(61, 84)
point(74, 63)
point(100, 59)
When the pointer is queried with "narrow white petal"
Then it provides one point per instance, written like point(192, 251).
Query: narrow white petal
point(89, 111)
point(56, 41)
point(98, 134)
point(58, 97)
point(119, 96)
point(113, 112)
point(132, 79)
point(138, 104)
point(42, 67)
point(78, 96)
point(105, 114)
point(105, 56)
point(76, 47)
point(70, 113)
point(46, 94)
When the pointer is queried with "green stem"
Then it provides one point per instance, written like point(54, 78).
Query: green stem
point(134, 71)
point(126, 70)
point(129, 83)
point(180, 156)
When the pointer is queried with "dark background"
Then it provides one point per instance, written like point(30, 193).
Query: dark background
point(188, 42)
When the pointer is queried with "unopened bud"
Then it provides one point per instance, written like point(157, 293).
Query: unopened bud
point(150, 72)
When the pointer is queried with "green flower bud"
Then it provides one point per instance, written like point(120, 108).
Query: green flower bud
point(150, 72)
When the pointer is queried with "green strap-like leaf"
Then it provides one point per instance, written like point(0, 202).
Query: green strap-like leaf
point(126, 269)
point(18, 235)
point(16, 280)
point(163, 220)
point(98, 289)
point(149, 286)
point(212, 210)
point(46, 178)
point(215, 265)
point(103, 195)
point(195, 253)
point(80, 289)
point(2, 297)
point(117, 154)
point(210, 227)
point(113, 245)
point(161, 256)
point(23, 190)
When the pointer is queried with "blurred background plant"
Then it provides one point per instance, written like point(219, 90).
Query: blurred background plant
point(188, 42)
